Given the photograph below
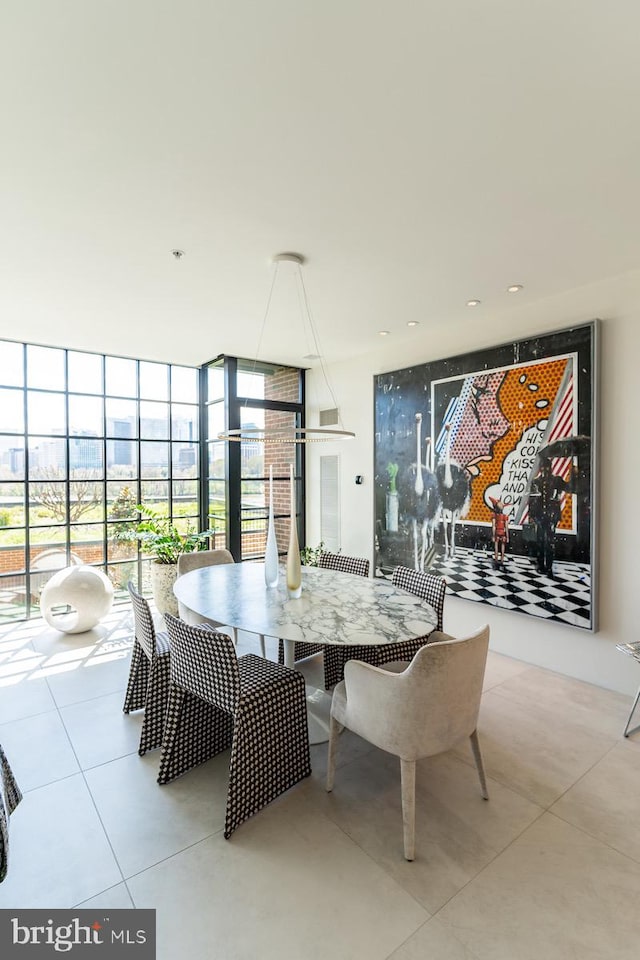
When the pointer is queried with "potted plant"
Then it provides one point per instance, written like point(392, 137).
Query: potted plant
point(310, 556)
point(158, 535)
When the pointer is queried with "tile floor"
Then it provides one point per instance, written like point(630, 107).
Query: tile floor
point(550, 867)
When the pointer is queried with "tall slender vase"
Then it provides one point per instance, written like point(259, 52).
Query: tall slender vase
point(271, 553)
point(294, 569)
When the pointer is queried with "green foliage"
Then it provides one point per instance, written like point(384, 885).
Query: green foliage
point(123, 508)
point(5, 518)
point(310, 556)
point(158, 535)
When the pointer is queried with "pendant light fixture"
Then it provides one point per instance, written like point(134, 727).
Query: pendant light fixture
point(298, 434)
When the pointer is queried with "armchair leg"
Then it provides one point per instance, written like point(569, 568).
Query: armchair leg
point(408, 779)
point(334, 731)
point(477, 756)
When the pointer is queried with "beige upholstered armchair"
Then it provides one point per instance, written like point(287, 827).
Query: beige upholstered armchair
point(193, 561)
point(424, 710)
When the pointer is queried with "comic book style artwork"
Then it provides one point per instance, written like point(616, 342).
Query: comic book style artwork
point(484, 467)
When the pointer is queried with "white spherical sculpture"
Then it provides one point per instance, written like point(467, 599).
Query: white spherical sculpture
point(85, 589)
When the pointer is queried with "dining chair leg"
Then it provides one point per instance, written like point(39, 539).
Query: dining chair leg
point(194, 732)
point(408, 780)
point(136, 695)
point(334, 730)
point(155, 706)
point(477, 756)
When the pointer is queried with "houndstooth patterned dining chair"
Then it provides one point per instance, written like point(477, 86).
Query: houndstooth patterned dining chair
point(217, 700)
point(148, 686)
point(335, 657)
point(10, 797)
point(428, 587)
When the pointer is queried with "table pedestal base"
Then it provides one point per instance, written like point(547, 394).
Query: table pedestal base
point(318, 714)
point(318, 702)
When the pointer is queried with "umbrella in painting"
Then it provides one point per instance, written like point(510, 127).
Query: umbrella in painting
point(562, 452)
point(578, 446)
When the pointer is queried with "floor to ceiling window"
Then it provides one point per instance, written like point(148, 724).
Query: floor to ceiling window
point(85, 438)
point(248, 394)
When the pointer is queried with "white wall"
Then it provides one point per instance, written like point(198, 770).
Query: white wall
point(568, 650)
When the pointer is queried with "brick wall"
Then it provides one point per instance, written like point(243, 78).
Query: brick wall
point(283, 385)
point(12, 558)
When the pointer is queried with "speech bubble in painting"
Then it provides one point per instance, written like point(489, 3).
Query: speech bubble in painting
point(516, 470)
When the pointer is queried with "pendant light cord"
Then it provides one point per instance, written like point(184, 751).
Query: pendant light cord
point(316, 342)
point(266, 314)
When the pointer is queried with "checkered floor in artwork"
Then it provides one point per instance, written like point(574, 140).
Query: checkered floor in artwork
point(565, 597)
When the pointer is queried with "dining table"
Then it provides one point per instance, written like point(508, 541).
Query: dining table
point(333, 608)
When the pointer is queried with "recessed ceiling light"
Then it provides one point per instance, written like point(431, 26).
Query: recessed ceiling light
point(311, 356)
point(412, 323)
point(514, 288)
point(473, 303)
point(383, 333)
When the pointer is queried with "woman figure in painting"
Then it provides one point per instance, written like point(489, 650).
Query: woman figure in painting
point(499, 530)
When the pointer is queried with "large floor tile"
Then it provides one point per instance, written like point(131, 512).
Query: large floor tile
point(59, 854)
point(113, 632)
point(528, 750)
point(565, 700)
point(97, 676)
point(605, 801)
point(288, 885)
point(351, 747)
point(554, 893)
point(115, 898)
point(433, 941)
point(500, 668)
point(39, 750)
point(24, 695)
point(100, 731)
point(457, 832)
point(147, 822)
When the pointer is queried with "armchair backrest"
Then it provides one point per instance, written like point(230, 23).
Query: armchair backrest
point(424, 585)
point(204, 662)
point(144, 629)
point(202, 558)
point(337, 561)
point(425, 710)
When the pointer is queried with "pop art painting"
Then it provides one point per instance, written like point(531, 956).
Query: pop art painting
point(484, 474)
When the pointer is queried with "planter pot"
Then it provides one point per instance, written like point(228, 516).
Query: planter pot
point(163, 577)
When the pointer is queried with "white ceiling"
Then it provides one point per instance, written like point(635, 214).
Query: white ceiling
point(418, 153)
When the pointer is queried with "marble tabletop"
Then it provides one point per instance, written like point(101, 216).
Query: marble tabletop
point(337, 608)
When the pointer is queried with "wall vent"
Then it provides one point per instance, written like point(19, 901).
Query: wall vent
point(330, 502)
point(329, 417)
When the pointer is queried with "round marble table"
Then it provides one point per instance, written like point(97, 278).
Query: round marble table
point(336, 608)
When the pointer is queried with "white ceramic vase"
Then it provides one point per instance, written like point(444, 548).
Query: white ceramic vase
point(163, 577)
point(294, 568)
point(271, 553)
point(392, 512)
